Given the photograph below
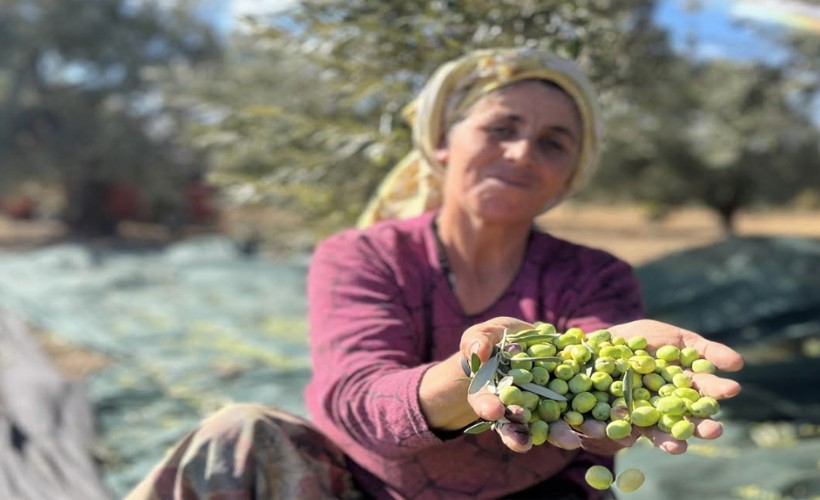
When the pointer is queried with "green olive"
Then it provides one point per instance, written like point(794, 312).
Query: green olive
point(601, 396)
point(652, 381)
point(682, 380)
point(703, 366)
point(666, 390)
point(564, 372)
point(515, 362)
point(600, 336)
point(511, 395)
point(641, 394)
point(601, 411)
point(601, 380)
point(629, 480)
point(617, 388)
point(539, 430)
point(683, 430)
point(580, 382)
point(540, 375)
point(618, 429)
point(584, 402)
point(705, 407)
point(687, 393)
point(577, 334)
point(637, 342)
point(599, 477)
point(670, 371)
point(530, 400)
point(549, 410)
point(668, 353)
point(671, 405)
point(573, 418)
point(520, 376)
point(605, 364)
point(642, 364)
point(558, 385)
point(580, 353)
point(645, 416)
point(541, 350)
point(688, 355)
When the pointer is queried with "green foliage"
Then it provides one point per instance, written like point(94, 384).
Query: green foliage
point(77, 98)
point(310, 114)
point(724, 134)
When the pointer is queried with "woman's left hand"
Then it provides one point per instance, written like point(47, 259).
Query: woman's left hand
point(591, 435)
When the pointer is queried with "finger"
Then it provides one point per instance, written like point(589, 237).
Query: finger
point(605, 447)
point(486, 405)
point(592, 429)
point(481, 338)
point(562, 436)
point(631, 438)
point(515, 436)
point(714, 386)
point(664, 441)
point(707, 428)
point(722, 356)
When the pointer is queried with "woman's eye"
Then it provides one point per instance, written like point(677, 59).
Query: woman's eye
point(500, 131)
point(551, 145)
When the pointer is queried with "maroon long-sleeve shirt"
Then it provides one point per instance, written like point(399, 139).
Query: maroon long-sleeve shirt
point(381, 312)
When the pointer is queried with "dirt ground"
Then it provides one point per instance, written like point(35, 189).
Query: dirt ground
point(625, 231)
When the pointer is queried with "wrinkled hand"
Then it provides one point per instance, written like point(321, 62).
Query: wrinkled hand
point(481, 338)
point(723, 357)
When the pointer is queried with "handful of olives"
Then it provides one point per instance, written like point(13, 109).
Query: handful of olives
point(542, 376)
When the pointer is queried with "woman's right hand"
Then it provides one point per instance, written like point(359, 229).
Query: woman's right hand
point(481, 339)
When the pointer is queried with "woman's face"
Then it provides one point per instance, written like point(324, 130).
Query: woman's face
point(513, 153)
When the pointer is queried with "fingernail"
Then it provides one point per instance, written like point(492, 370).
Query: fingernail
point(474, 347)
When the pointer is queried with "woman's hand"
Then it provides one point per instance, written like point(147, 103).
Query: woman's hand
point(723, 357)
point(481, 338)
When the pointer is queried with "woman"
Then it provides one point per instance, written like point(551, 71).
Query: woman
point(446, 259)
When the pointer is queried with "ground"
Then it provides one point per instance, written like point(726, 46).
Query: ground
point(625, 231)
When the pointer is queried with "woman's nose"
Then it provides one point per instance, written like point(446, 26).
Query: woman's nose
point(520, 151)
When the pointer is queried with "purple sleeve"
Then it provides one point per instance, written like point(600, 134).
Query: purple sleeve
point(365, 350)
point(609, 294)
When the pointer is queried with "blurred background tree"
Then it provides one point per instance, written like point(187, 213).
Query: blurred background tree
point(307, 113)
point(302, 110)
point(78, 111)
point(310, 105)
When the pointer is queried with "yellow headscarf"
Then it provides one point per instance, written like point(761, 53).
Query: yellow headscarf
point(415, 183)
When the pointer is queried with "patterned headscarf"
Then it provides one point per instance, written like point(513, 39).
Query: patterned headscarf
point(415, 183)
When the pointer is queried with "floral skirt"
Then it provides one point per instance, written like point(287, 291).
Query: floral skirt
point(249, 451)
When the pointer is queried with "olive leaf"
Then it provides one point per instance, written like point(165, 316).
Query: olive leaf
point(503, 342)
point(475, 362)
point(532, 336)
point(478, 428)
point(484, 374)
point(505, 382)
point(589, 366)
point(539, 358)
point(542, 391)
point(628, 388)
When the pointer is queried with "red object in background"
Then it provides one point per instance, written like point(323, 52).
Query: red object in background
point(122, 202)
point(20, 207)
point(200, 200)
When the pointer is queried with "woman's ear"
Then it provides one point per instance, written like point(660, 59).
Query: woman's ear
point(441, 154)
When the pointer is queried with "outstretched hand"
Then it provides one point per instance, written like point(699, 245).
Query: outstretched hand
point(480, 339)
